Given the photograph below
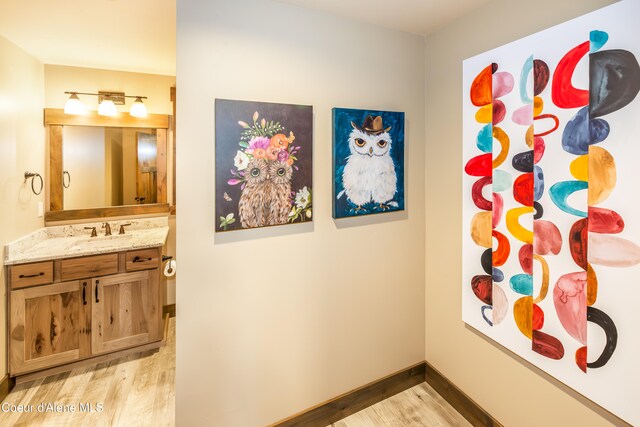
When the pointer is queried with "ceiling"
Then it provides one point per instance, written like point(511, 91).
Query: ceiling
point(140, 35)
point(127, 35)
point(413, 16)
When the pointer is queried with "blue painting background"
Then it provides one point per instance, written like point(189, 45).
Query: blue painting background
point(342, 118)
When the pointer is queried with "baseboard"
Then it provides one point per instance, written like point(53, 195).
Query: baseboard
point(169, 309)
point(458, 399)
point(6, 386)
point(356, 400)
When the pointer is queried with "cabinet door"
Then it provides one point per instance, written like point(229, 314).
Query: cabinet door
point(49, 326)
point(126, 311)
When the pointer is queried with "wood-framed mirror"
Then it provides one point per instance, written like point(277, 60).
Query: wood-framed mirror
point(105, 166)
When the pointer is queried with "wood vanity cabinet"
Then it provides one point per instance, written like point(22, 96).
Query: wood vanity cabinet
point(64, 311)
point(123, 311)
point(48, 326)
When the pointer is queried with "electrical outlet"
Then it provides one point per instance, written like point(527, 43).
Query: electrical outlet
point(40, 209)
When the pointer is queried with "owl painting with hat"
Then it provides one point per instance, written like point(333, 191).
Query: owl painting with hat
point(368, 155)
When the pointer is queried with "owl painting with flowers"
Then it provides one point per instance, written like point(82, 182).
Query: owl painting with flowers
point(263, 164)
point(368, 153)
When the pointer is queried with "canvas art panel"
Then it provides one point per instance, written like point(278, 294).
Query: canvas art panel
point(550, 202)
point(368, 162)
point(263, 164)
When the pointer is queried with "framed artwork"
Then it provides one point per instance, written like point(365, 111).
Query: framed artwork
point(368, 162)
point(263, 164)
point(551, 212)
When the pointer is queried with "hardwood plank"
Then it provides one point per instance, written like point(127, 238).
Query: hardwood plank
point(154, 309)
point(169, 309)
point(128, 313)
point(165, 392)
point(47, 390)
point(15, 332)
point(6, 386)
point(161, 164)
point(94, 213)
point(135, 390)
point(38, 318)
point(56, 193)
point(20, 395)
point(25, 275)
point(458, 399)
point(120, 387)
point(121, 262)
point(143, 259)
point(142, 350)
point(89, 266)
point(130, 341)
point(173, 148)
point(84, 322)
point(427, 394)
point(56, 116)
point(111, 302)
point(358, 399)
point(141, 396)
point(412, 407)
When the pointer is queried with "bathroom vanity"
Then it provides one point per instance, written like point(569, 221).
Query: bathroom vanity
point(73, 297)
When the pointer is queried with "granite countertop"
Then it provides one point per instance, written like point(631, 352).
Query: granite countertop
point(70, 241)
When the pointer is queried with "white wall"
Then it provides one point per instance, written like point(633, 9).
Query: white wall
point(513, 391)
point(257, 344)
point(21, 149)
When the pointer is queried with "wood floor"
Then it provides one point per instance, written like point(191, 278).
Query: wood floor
point(137, 390)
point(418, 406)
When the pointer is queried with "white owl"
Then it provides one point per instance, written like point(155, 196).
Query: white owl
point(370, 175)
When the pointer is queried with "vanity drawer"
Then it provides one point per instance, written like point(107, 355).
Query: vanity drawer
point(142, 260)
point(88, 266)
point(38, 273)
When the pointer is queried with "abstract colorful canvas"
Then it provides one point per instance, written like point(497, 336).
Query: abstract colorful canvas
point(263, 164)
point(551, 209)
point(368, 162)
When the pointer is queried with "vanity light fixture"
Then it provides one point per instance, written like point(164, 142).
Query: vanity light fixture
point(74, 105)
point(107, 108)
point(138, 109)
point(107, 104)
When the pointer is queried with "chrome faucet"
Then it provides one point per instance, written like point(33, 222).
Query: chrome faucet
point(107, 229)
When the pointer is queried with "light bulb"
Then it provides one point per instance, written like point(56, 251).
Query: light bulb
point(107, 108)
point(138, 109)
point(73, 105)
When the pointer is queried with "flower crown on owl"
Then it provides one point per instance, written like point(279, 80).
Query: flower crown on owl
point(372, 126)
point(262, 140)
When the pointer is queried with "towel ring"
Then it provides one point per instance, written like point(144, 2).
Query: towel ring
point(32, 175)
point(68, 182)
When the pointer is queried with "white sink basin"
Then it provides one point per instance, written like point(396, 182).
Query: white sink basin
point(100, 242)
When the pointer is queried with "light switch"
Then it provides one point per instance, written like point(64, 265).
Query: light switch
point(40, 209)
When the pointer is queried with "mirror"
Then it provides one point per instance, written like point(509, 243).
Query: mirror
point(106, 166)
